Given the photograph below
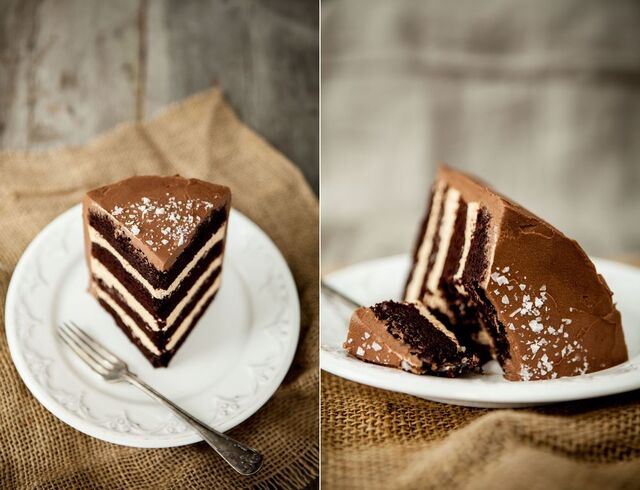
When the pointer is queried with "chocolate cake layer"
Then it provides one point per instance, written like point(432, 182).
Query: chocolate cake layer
point(522, 289)
point(478, 262)
point(164, 358)
point(417, 247)
point(435, 247)
point(157, 278)
point(456, 246)
point(415, 287)
point(155, 359)
point(160, 337)
point(407, 336)
point(159, 307)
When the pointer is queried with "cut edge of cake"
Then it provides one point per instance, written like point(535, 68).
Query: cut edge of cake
point(510, 285)
point(407, 336)
point(154, 247)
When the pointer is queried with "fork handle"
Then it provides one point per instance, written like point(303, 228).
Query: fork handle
point(243, 459)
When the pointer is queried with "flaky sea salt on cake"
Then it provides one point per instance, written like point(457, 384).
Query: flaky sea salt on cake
point(154, 247)
point(512, 286)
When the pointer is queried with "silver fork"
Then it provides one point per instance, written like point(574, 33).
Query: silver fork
point(243, 459)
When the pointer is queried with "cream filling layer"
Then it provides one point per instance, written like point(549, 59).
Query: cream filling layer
point(452, 201)
point(436, 323)
point(469, 228)
point(433, 295)
point(424, 251)
point(182, 329)
point(105, 275)
point(141, 334)
point(98, 239)
point(136, 331)
point(437, 302)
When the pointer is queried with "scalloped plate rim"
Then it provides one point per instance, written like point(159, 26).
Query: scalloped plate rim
point(468, 391)
point(115, 437)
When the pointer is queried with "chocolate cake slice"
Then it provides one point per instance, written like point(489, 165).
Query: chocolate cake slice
point(407, 336)
point(511, 286)
point(154, 247)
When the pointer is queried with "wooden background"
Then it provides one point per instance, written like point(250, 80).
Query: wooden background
point(71, 69)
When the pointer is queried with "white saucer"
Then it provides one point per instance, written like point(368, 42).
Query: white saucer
point(231, 364)
point(383, 279)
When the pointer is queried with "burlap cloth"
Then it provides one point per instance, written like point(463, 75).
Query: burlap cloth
point(377, 439)
point(202, 138)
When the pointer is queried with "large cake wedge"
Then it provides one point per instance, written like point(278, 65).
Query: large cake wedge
point(409, 337)
point(154, 247)
point(512, 286)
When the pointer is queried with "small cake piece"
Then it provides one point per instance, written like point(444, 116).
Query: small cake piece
point(407, 336)
point(511, 286)
point(154, 247)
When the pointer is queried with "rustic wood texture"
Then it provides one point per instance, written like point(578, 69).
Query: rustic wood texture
point(73, 68)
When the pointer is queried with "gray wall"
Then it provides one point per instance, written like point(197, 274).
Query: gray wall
point(541, 99)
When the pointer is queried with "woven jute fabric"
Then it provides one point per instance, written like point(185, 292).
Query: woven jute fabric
point(379, 439)
point(200, 137)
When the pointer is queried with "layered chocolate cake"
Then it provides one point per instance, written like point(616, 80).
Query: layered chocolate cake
point(511, 286)
point(407, 336)
point(154, 247)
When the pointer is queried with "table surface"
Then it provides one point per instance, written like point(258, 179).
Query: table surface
point(74, 68)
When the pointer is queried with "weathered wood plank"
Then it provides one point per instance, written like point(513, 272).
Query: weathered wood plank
point(263, 54)
point(71, 70)
point(17, 25)
point(74, 68)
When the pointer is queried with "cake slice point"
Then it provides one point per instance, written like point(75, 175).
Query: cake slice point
point(409, 337)
point(155, 246)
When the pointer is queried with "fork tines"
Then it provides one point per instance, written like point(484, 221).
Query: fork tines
point(88, 349)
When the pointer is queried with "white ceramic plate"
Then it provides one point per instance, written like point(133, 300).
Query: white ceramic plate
point(231, 364)
point(383, 279)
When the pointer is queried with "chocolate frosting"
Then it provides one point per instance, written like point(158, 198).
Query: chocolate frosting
point(159, 214)
point(368, 339)
point(557, 312)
